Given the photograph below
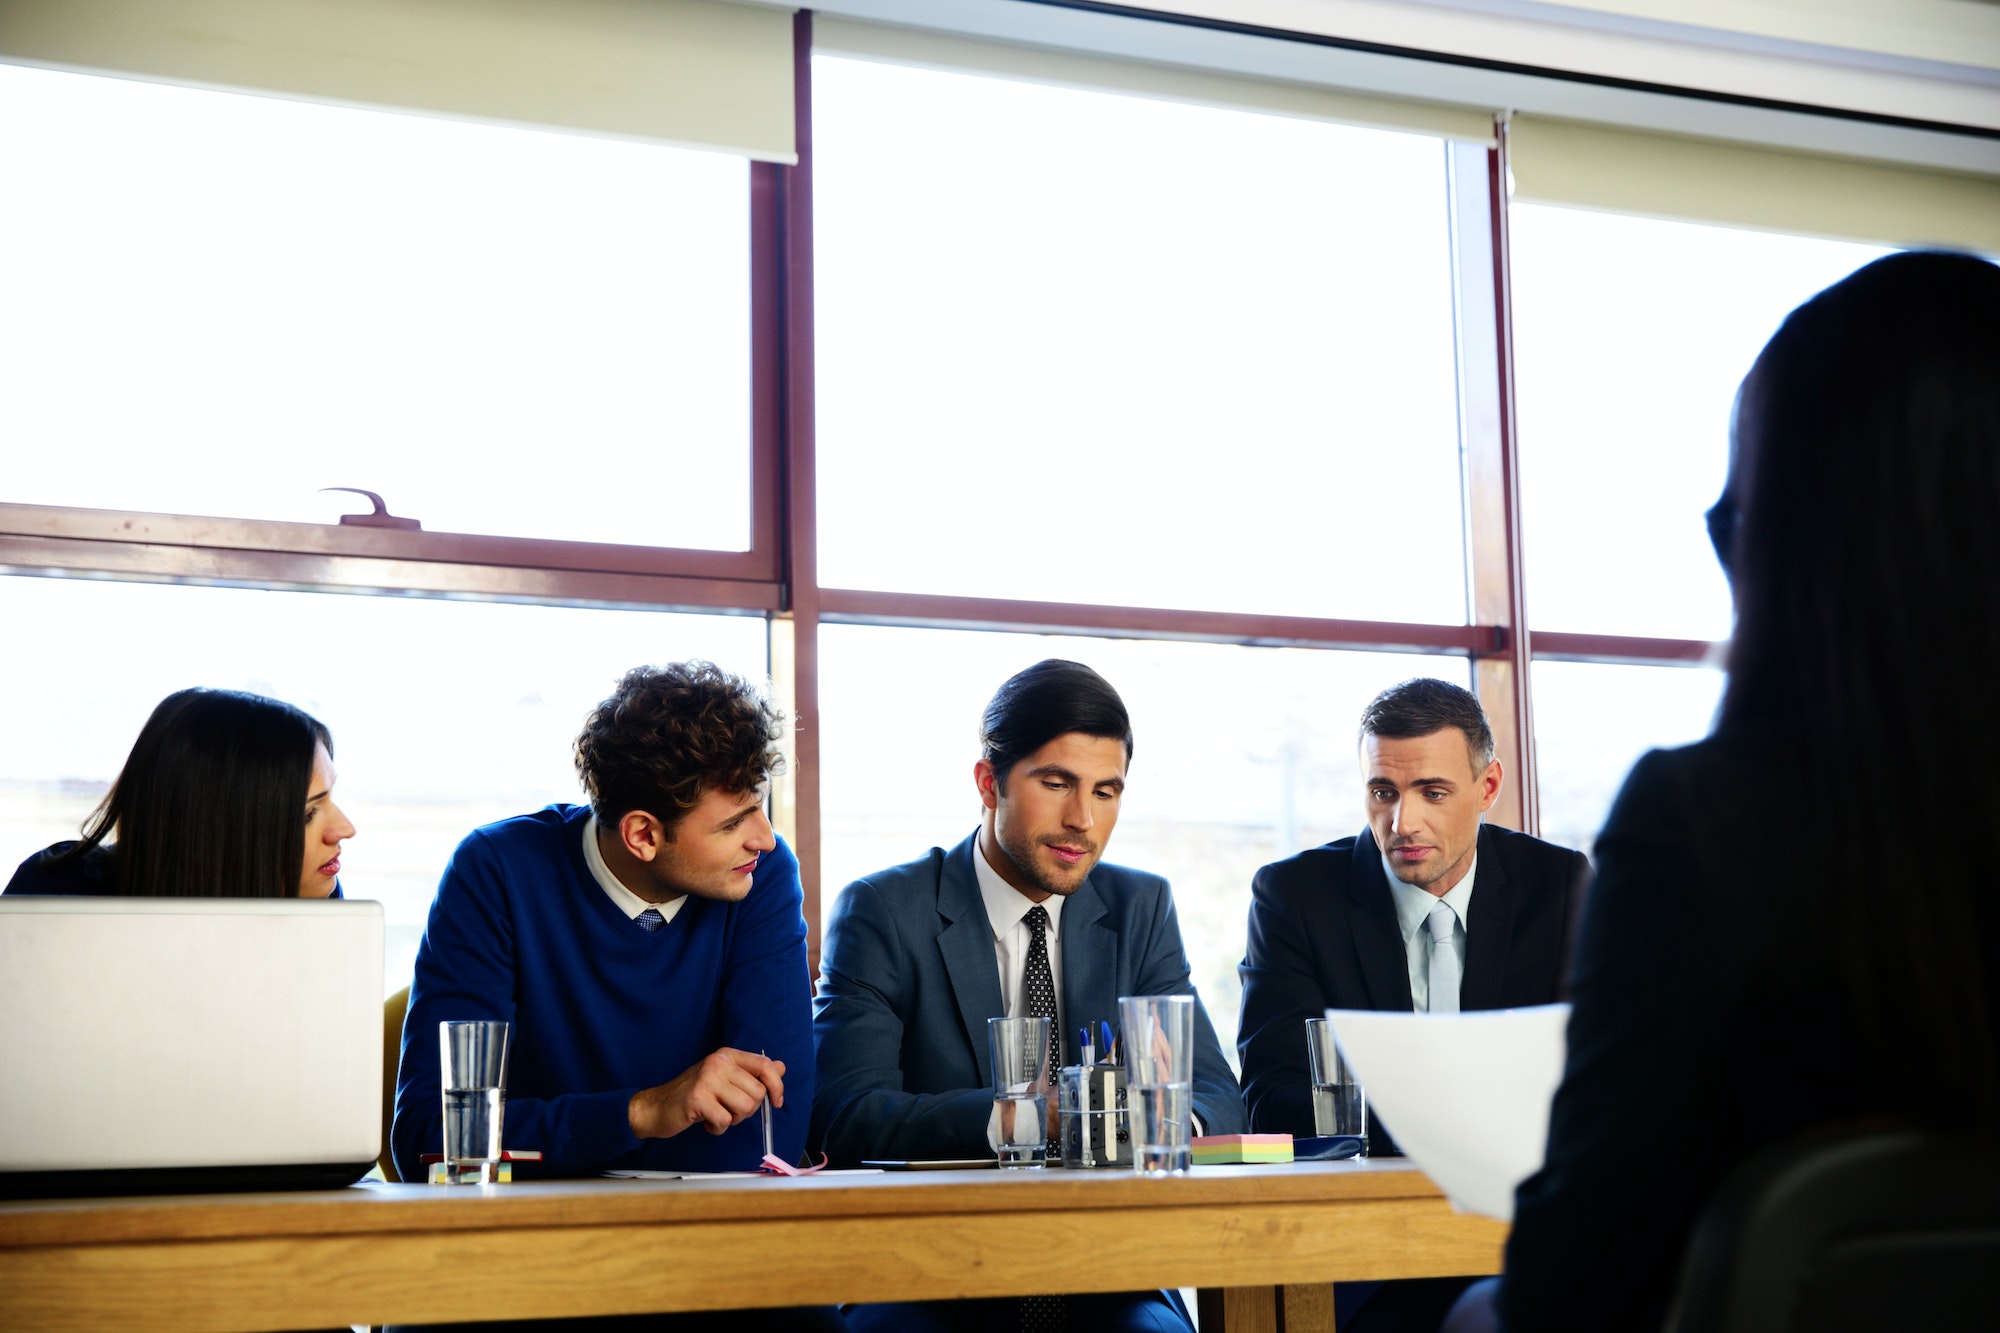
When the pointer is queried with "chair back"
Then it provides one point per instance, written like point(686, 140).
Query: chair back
point(393, 1010)
point(1864, 1233)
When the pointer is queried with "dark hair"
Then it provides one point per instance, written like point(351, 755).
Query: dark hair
point(1049, 699)
point(1861, 530)
point(211, 802)
point(670, 734)
point(1426, 705)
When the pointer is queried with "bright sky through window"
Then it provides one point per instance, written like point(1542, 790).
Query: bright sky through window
point(216, 303)
point(1081, 347)
point(1631, 336)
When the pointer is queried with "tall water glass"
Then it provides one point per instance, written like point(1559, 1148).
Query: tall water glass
point(1340, 1103)
point(1157, 1043)
point(472, 1057)
point(1019, 1129)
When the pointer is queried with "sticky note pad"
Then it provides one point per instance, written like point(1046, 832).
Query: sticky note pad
point(504, 1174)
point(1239, 1149)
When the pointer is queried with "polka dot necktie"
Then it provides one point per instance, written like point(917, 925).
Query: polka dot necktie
point(1041, 1314)
point(650, 920)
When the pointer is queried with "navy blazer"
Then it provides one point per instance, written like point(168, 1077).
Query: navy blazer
point(1323, 935)
point(908, 979)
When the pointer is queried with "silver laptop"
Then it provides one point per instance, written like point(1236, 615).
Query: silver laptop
point(154, 1044)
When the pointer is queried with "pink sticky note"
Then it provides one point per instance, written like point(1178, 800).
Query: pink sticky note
point(778, 1166)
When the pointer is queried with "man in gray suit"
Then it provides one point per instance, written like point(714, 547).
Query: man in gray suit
point(1021, 918)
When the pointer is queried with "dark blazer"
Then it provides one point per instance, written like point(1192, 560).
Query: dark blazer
point(1711, 1020)
point(1323, 935)
point(908, 979)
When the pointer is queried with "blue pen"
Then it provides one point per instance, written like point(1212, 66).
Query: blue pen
point(1083, 1047)
point(1109, 1045)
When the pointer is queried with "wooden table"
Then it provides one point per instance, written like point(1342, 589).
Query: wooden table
point(1258, 1239)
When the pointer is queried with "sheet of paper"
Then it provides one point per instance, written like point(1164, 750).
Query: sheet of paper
point(1466, 1095)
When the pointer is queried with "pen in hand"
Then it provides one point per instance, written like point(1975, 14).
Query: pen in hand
point(768, 1150)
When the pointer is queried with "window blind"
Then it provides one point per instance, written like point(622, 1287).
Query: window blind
point(938, 50)
point(695, 73)
point(1705, 180)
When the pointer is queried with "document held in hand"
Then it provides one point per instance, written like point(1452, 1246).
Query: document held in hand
point(1466, 1095)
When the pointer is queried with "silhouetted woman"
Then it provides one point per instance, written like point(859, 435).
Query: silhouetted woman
point(1794, 926)
point(225, 795)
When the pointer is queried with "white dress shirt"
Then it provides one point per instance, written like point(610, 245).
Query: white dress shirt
point(630, 903)
point(1413, 908)
point(1006, 906)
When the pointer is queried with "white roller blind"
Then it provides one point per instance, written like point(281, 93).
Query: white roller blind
point(1074, 70)
point(697, 73)
point(1704, 180)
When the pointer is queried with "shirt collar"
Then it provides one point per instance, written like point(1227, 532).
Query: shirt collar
point(628, 902)
point(1005, 904)
point(1414, 905)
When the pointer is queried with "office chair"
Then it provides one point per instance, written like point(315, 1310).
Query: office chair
point(393, 1010)
point(1874, 1232)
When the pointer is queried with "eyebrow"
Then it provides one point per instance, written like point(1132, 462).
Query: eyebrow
point(1058, 771)
point(754, 805)
point(1379, 781)
point(319, 795)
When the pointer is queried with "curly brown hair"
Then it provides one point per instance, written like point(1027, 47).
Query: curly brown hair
point(670, 734)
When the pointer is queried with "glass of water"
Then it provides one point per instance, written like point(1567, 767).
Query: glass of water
point(1019, 1130)
point(1340, 1103)
point(472, 1057)
point(1157, 1044)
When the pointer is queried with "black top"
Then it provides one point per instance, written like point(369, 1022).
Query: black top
point(1710, 1022)
point(1324, 935)
point(88, 875)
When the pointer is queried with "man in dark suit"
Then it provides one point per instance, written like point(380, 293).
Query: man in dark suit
point(1387, 920)
point(1021, 918)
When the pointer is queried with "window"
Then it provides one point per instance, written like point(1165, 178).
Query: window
point(445, 715)
point(1631, 337)
point(1592, 722)
point(1082, 347)
point(218, 303)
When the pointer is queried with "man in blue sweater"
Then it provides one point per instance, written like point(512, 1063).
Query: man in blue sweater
point(1021, 918)
point(649, 948)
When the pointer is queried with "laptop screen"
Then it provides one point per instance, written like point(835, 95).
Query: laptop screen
point(142, 1033)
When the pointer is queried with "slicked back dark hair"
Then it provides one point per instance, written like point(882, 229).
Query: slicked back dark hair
point(211, 802)
point(1052, 698)
point(1424, 706)
point(1861, 531)
point(669, 735)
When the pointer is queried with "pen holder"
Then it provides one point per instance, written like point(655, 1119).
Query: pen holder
point(1091, 1114)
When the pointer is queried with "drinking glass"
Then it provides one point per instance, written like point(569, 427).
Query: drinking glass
point(1340, 1103)
point(473, 1062)
point(1158, 1048)
point(1019, 1129)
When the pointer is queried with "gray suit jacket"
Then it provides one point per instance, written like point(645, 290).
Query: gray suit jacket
point(908, 980)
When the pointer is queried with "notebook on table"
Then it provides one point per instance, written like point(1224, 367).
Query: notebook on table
point(188, 1044)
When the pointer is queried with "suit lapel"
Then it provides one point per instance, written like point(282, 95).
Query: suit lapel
point(1489, 932)
point(1089, 955)
point(1378, 939)
point(965, 939)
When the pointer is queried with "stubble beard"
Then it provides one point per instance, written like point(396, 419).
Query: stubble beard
point(1022, 853)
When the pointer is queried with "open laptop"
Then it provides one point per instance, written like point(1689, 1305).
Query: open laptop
point(168, 1044)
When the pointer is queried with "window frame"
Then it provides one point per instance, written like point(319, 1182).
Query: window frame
point(777, 578)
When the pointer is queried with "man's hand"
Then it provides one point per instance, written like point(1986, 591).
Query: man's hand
point(723, 1090)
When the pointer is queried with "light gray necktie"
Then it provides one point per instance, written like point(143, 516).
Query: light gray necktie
point(1444, 961)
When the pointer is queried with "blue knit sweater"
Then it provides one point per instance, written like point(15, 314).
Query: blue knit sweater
point(601, 1009)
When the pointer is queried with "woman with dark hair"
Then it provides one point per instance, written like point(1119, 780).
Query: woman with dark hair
point(1793, 930)
point(225, 795)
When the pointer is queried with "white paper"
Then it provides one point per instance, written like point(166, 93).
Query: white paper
point(1466, 1095)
